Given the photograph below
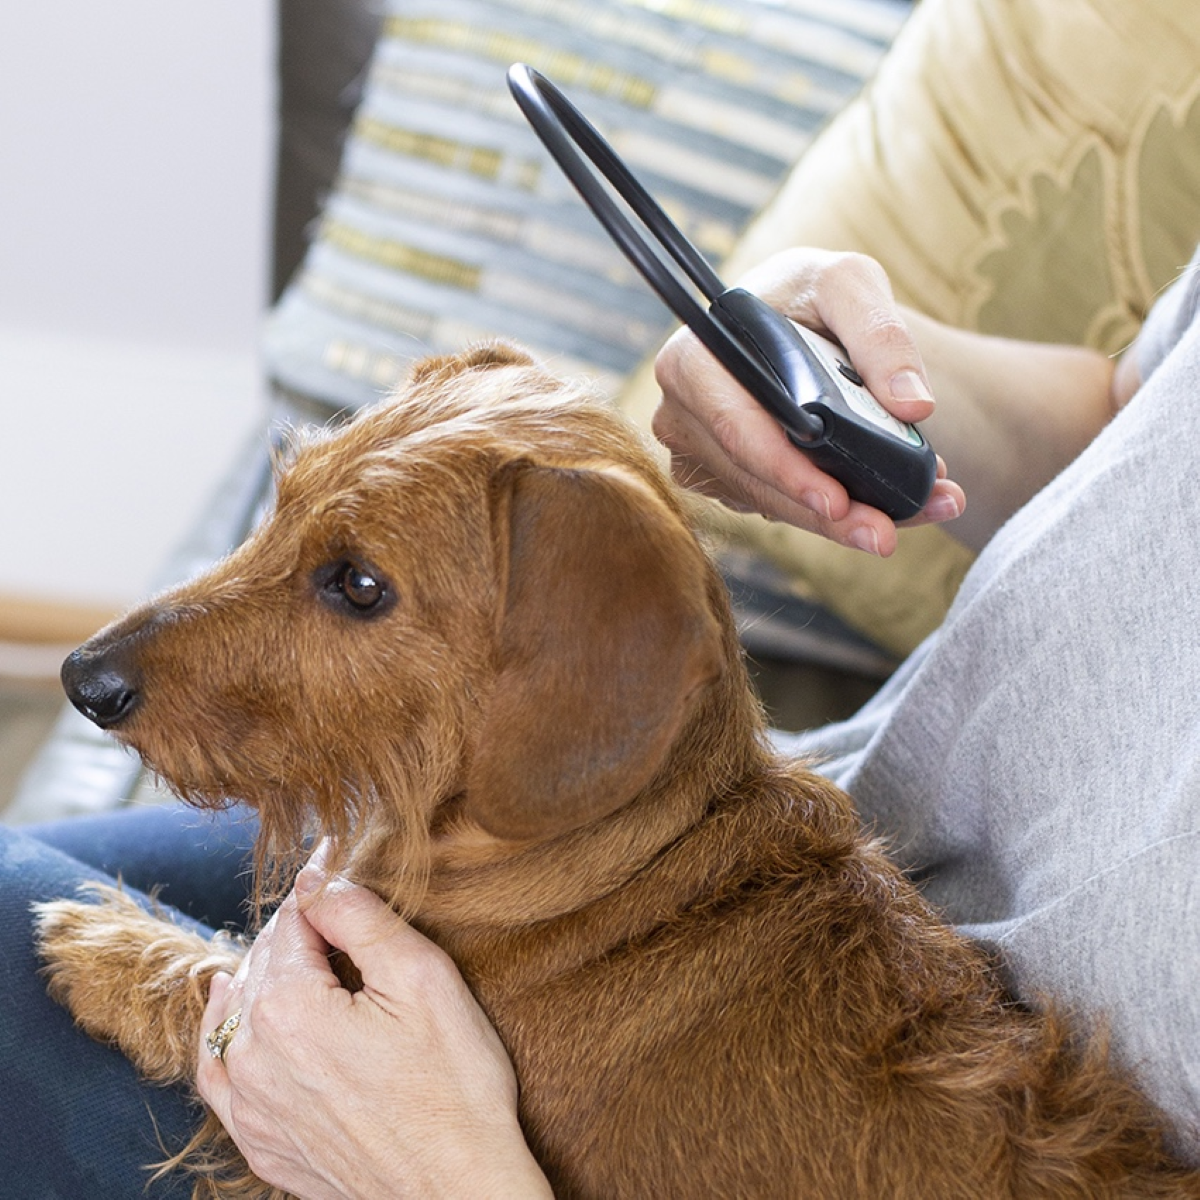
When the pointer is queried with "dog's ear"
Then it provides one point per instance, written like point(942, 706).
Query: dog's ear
point(605, 634)
point(496, 353)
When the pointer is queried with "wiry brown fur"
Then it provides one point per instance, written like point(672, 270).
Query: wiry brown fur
point(546, 752)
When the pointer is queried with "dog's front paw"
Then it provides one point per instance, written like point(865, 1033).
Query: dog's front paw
point(131, 977)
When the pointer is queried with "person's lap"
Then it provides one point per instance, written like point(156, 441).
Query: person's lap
point(78, 1121)
point(196, 862)
point(1037, 761)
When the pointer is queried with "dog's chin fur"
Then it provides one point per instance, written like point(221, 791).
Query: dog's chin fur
point(542, 747)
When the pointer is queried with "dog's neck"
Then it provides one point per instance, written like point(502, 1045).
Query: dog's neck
point(764, 833)
point(478, 883)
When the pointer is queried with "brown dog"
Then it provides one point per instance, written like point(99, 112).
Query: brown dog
point(479, 647)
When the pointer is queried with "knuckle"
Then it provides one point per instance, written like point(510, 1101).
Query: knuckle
point(248, 1118)
point(206, 1078)
point(862, 277)
point(728, 432)
point(888, 329)
point(669, 363)
point(665, 366)
point(277, 1016)
point(425, 971)
point(664, 427)
point(859, 266)
point(752, 497)
point(746, 492)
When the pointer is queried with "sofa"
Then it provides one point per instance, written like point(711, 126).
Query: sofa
point(1021, 167)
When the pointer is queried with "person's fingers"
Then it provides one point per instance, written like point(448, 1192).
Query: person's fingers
point(865, 319)
point(705, 416)
point(286, 960)
point(231, 995)
point(946, 502)
point(849, 297)
point(212, 1080)
point(863, 527)
point(394, 960)
point(724, 445)
point(744, 459)
point(756, 469)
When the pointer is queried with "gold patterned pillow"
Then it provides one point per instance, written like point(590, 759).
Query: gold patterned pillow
point(1022, 167)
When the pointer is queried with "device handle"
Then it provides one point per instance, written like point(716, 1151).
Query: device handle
point(564, 131)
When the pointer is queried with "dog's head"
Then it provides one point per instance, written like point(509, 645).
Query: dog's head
point(480, 605)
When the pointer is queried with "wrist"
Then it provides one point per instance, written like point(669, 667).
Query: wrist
point(495, 1166)
point(516, 1177)
point(1011, 415)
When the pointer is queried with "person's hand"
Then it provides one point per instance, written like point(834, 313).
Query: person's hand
point(401, 1089)
point(725, 445)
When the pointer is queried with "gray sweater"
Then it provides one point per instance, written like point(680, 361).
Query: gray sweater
point(1036, 762)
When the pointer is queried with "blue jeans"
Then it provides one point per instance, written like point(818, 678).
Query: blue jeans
point(77, 1121)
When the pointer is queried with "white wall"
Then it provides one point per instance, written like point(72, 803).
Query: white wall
point(135, 169)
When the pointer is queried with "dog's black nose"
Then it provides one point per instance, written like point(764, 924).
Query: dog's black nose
point(101, 686)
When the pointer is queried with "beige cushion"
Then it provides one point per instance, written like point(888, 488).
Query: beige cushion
point(1023, 167)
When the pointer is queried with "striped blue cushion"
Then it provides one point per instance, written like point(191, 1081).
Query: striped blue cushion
point(448, 222)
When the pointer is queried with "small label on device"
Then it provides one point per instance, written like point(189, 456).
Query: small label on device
point(857, 397)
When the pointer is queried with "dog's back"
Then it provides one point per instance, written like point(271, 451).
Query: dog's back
point(770, 1009)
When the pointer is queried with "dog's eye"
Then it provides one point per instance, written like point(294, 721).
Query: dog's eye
point(360, 587)
point(356, 588)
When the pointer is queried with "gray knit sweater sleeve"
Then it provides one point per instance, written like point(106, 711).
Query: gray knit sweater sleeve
point(1171, 315)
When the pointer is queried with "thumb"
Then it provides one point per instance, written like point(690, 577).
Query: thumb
point(383, 946)
point(851, 296)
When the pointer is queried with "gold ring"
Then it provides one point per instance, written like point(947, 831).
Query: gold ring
point(218, 1041)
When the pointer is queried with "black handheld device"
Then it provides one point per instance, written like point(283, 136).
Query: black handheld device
point(805, 381)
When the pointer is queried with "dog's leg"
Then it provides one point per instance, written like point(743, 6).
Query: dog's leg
point(131, 978)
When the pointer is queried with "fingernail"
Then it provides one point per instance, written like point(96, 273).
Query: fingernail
point(865, 538)
point(908, 385)
point(943, 508)
point(818, 502)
